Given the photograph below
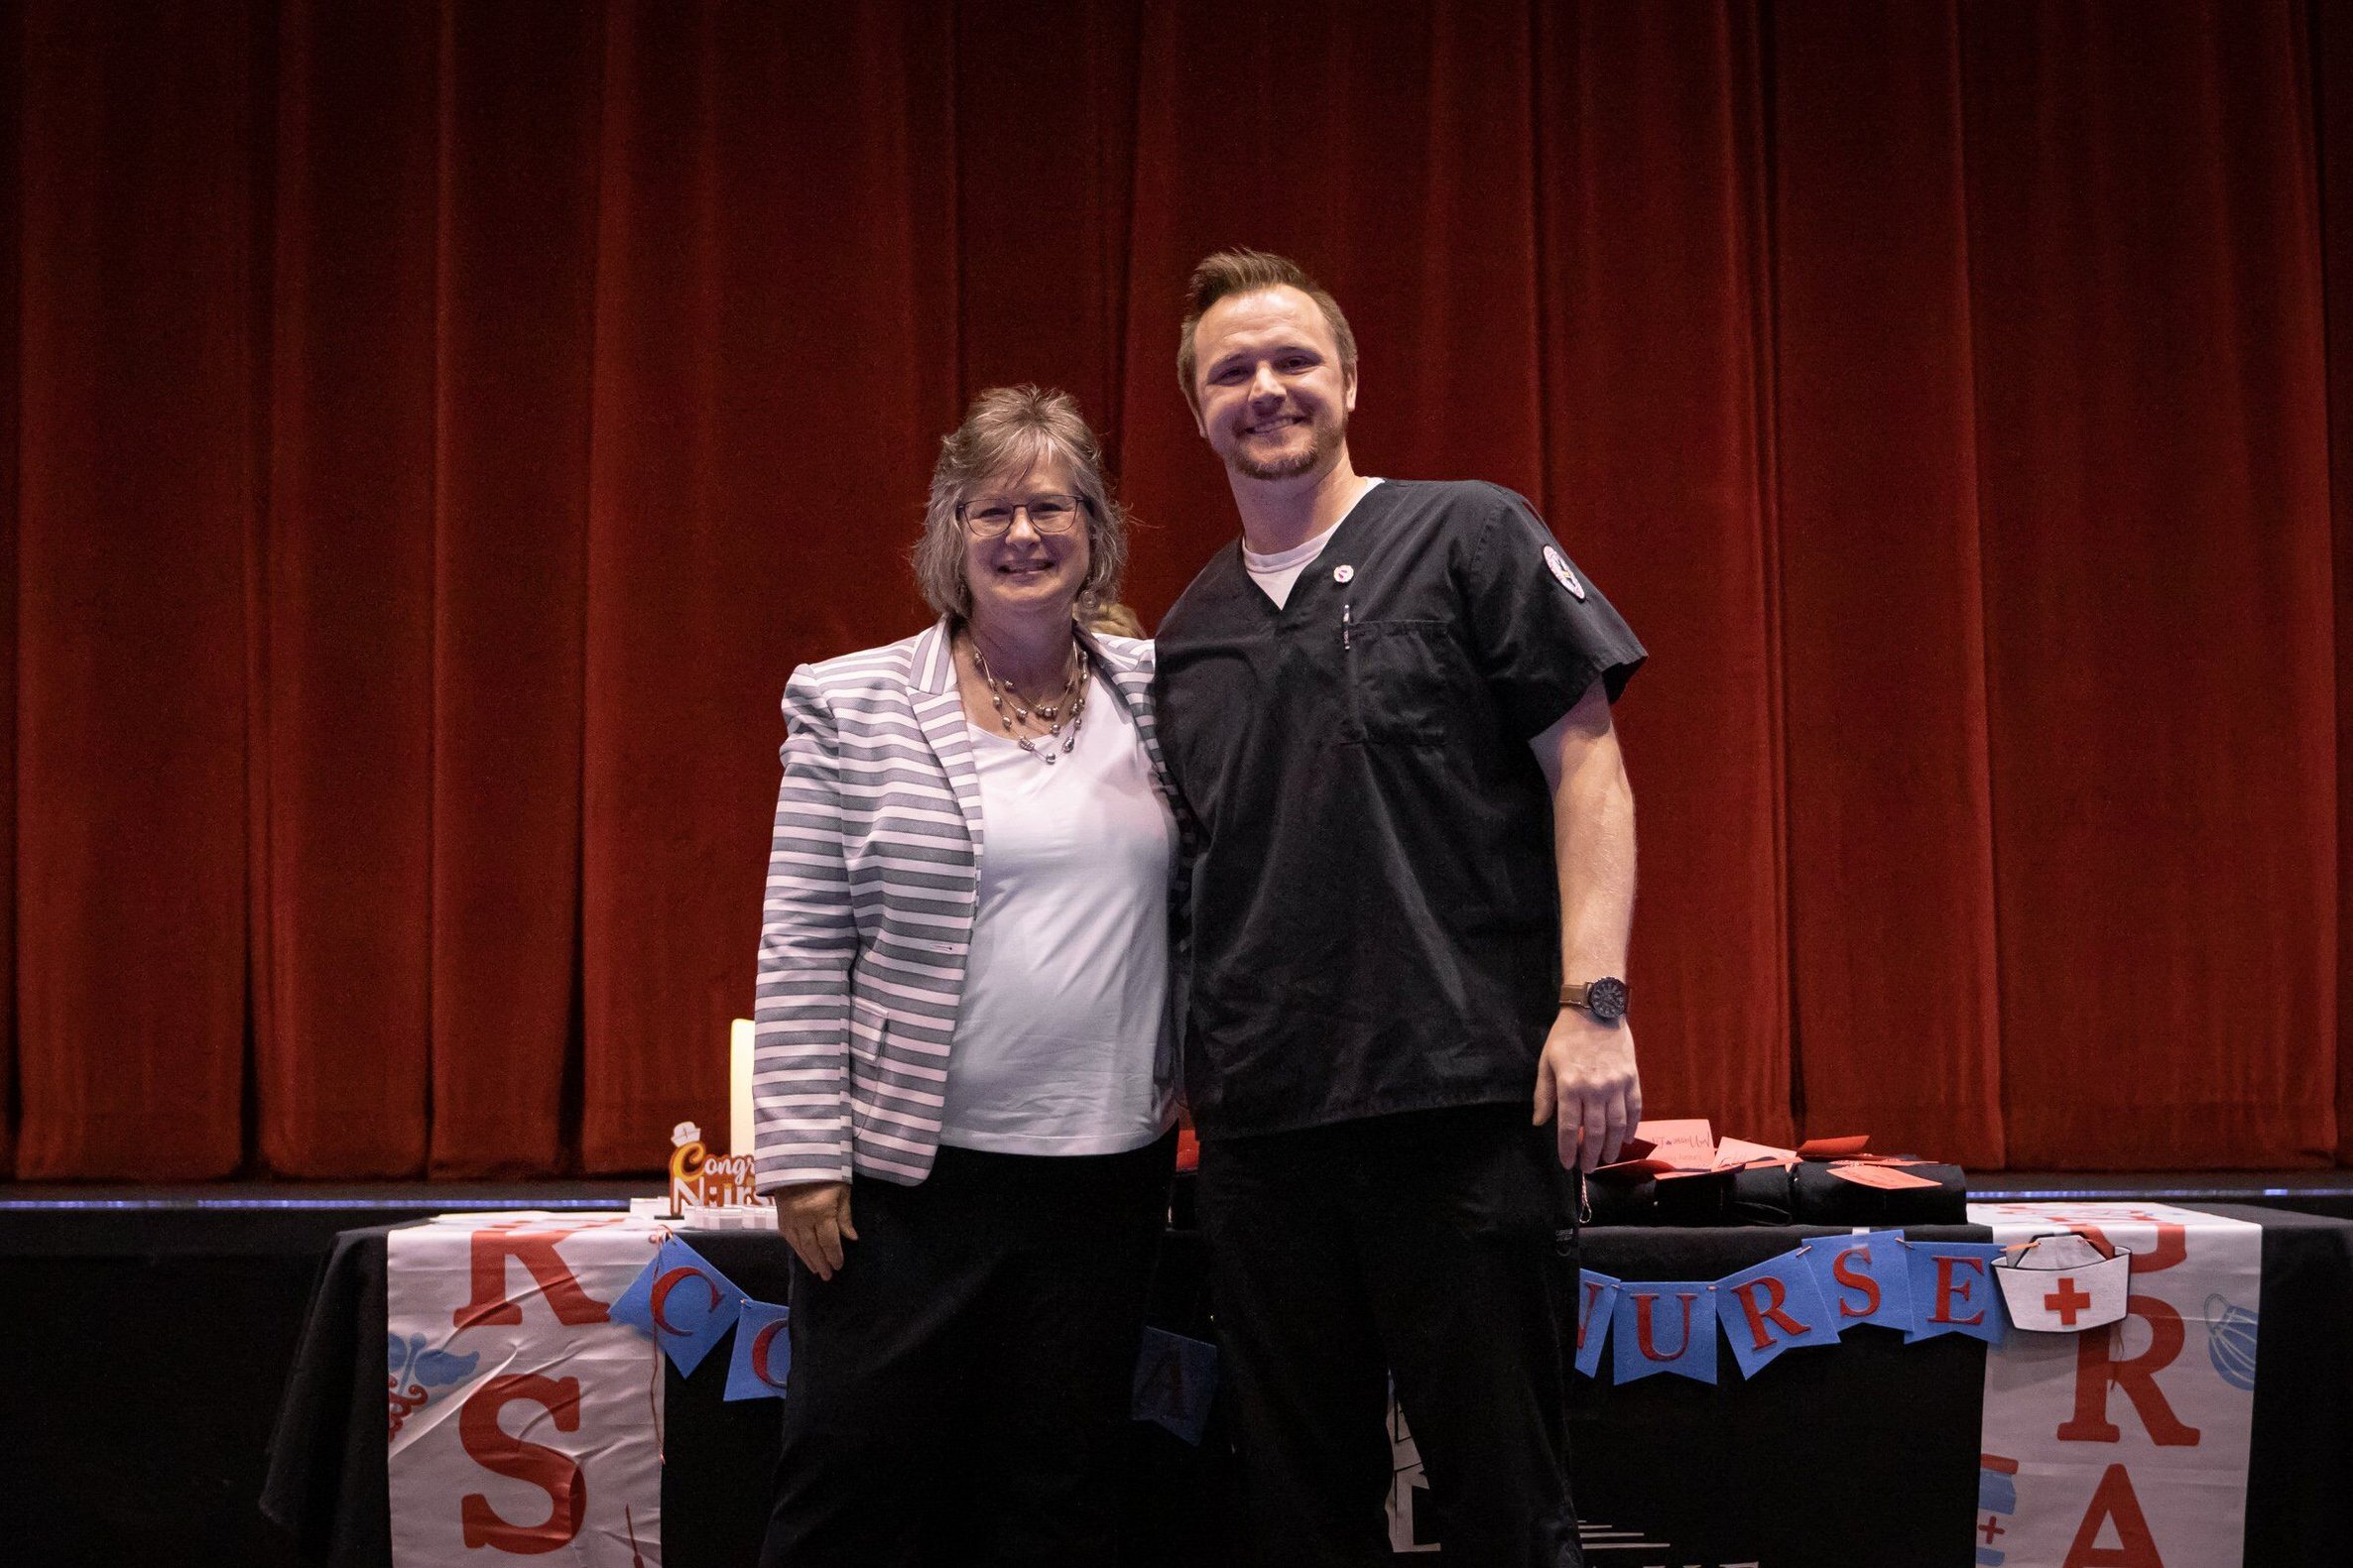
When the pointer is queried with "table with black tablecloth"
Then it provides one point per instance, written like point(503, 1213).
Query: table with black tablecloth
point(1862, 1453)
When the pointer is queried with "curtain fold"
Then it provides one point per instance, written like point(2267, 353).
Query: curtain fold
point(1658, 450)
point(11, 378)
point(1045, 117)
point(1892, 958)
point(2145, 260)
point(437, 432)
point(2332, 47)
point(515, 324)
point(1400, 172)
point(775, 353)
point(344, 752)
point(139, 377)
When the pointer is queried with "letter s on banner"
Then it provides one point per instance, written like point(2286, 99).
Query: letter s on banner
point(553, 1472)
point(1842, 1270)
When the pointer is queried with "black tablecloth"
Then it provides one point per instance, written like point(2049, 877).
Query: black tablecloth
point(1865, 1454)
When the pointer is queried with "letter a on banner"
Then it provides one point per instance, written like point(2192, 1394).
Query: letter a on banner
point(2115, 1510)
point(1665, 1326)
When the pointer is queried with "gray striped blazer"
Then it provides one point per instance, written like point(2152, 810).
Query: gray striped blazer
point(873, 881)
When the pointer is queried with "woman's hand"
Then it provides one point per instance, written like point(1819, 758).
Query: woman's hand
point(815, 1218)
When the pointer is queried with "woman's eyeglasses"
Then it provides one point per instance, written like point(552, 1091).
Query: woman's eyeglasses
point(988, 517)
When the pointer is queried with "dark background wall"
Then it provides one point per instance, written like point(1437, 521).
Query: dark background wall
point(437, 431)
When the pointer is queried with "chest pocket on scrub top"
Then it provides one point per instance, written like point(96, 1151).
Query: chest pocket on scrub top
point(1398, 681)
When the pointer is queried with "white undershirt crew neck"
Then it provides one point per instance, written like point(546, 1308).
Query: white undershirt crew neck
point(1275, 573)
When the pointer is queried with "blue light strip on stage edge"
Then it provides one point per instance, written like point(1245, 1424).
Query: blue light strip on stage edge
point(2151, 1194)
point(121, 1205)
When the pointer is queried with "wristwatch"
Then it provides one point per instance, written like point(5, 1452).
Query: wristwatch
point(1605, 997)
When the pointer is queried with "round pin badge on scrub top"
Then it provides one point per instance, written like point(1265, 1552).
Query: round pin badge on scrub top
point(1343, 574)
point(1559, 567)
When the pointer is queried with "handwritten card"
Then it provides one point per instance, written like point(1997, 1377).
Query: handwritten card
point(1687, 1144)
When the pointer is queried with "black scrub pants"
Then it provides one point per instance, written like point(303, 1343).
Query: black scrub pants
point(961, 1386)
point(1420, 1246)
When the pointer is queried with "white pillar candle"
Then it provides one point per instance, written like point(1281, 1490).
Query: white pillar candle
point(739, 1087)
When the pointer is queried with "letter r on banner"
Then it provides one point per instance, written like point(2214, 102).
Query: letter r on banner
point(1773, 1306)
point(2097, 1372)
point(536, 1251)
point(1755, 1313)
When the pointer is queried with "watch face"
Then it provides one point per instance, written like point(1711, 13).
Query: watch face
point(1606, 998)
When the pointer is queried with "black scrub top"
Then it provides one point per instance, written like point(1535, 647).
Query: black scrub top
point(1375, 916)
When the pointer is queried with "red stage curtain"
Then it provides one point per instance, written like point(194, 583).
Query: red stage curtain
point(11, 223)
point(439, 429)
point(1891, 846)
point(1657, 374)
point(2334, 47)
point(774, 355)
point(140, 530)
point(2145, 259)
point(515, 321)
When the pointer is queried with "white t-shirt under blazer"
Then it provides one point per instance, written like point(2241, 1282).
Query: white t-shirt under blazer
point(1059, 1046)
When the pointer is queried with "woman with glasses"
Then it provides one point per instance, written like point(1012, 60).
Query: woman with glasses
point(965, 1065)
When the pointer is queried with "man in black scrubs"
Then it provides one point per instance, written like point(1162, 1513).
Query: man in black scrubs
point(1387, 706)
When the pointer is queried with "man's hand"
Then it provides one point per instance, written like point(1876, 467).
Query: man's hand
point(815, 1218)
point(1587, 1086)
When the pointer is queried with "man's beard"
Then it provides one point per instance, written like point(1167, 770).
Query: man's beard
point(1327, 442)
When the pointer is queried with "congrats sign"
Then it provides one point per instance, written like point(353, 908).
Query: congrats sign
point(524, 1419)
point(2126, 1446)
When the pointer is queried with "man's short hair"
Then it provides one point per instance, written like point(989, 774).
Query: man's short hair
point(1247, 272)
point(1006, 431)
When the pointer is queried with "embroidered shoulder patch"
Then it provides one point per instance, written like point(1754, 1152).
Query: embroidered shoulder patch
point(1559, 566)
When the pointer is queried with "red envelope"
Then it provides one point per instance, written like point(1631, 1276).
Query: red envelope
point(1630, 1170)
point(1886, 1177)
point(1833, 1147)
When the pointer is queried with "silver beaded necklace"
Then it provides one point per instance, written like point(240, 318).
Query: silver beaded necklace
point(1072, 697)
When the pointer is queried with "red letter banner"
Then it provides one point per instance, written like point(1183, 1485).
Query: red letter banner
point(1773, 1306)
point(1665, 1326)
point(525, 1426)
point(2130, 1439)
